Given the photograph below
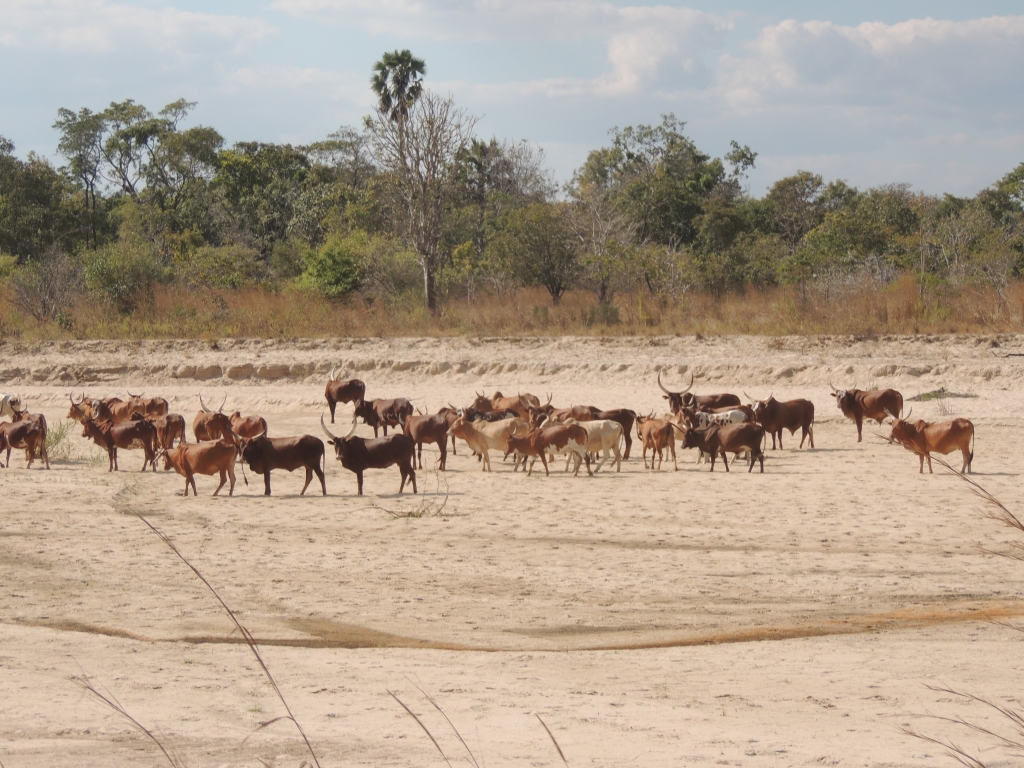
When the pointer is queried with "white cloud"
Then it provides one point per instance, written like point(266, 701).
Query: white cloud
point(296, 81)
point(101, 27)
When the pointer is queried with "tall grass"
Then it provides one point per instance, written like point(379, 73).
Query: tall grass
point(862, 309)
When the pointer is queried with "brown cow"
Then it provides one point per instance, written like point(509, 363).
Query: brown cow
point(126, 435)
point(36, 418)
point(211, 425)
point(555, 440)
point(775, 416)
point(27, 435)
point(149, 407)
point(264, 454)
point(720, 438)
point(657, 435)
point(429, 429)
point(169, 428)
point(248, 426)
point(679, 400)
point(348, 391)
point(859, 404)
point(357, 454)
point(208, 458)
point(924, 439)
point(521, 403)
point(384, 413)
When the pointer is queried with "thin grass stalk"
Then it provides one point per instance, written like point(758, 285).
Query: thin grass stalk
point(246, 635)
point(553, 739)
point(430, 698)
point(421, 725)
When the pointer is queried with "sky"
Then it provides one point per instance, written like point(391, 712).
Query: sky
point(924, 93)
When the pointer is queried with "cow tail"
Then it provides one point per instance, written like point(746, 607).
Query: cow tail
point(238, 455)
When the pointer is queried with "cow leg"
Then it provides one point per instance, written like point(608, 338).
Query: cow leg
point(443, 447)
point(860, 422)
point(920, 458)
point(454, 453)
point(533, 460)
point(116, 468)
point(629, 443)
point(712, 461)
point(586, 458)
point(672, 448)
point(780, 439)
point(485, 460)
point(331, 404)
point(320, 476)
point(266, 483)
point(309, 478)
point(412, 476)
point(231, 476)
point(359, 483)
point(385, 430)
point(544, 461)
point(618, 457)
point(929, 457)
point(223, 480)
point(725, 460)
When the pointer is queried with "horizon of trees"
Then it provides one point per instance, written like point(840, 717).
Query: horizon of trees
point(413, 205)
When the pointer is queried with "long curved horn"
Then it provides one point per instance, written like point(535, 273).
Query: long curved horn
point(323, 426)
point(690, 386)
point(834, 390)
point(550, 395)
point(203, 405)
point(221, 409)
point(662, 385)
point(889, 414)
point(748, 397)
point(352, 431)
point(249, 439)
point(907, 417)
point(769, 396)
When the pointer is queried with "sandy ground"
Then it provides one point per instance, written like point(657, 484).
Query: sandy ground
point(653, 618)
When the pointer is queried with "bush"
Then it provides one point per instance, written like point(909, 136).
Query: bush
point(123, 276)
point(48, 288)
point(333, 269)
point(226, 266)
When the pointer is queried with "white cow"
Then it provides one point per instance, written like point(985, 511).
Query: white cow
point(484, 436)
point(603, 435)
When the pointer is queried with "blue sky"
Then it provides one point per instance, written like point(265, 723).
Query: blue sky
point(928, 93)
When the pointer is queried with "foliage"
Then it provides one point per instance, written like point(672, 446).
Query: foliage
point(398, 82)
point(225, 266)
point(537, 248)
point(47, 288)
point(124, 276)
point(334, 269)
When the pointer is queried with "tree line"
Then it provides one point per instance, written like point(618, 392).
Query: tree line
point(414, 206)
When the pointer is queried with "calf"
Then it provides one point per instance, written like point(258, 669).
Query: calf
point(558, 439)
point(603, 435)
point(384, 413)
point(487, 436)
point(265, 454)
point(347, 391)
point(357, 454)
point(657, 435)
point(429, 429)
point(27, 435)
point(775, 416)
point(126, 435)
point(208, 458)
point(734, 438)
point(943, 437)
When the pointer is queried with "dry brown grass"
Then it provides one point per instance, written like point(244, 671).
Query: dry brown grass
point(863, 310)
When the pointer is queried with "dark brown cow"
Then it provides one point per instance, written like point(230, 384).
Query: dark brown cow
point(348, 391)
point(944, 437)
point(859, 404)
point(358, 454)
point(211, 425)
point(169, 428)
point(685, 399)
point(150, 407)
point(731, 438)
point(624, 417)
point(36, 418)
point(555, 440)
point(657, 435)
point(27, 435)
point(265, 454)
point(429, 429)
point(775, 416)
point(521, 403)
point(209, 458)
point(574, 412)
point(126, 435)
point(384, 413)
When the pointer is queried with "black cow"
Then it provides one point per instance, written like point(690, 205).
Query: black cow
point(357, 454)
point(264, 454)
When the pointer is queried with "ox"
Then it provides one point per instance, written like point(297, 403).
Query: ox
point(521, 403)
point(357, 454)
point(348, 391)
point(265, 454)
point(625, 418)
point(489, 436)
point(27, 435)
point(429, 429)
point(36, 418)
point(657, 435)
point(569, 439)
point(126, 435)
point(247, 426)
point(211, 425)
point(924, 439)
point(208, 458)
point(603, 436)
point(169, 428)
point(679, 400)
point(858, 404)
point(384, 413)
point(150, 407)
point(775, 416)
point(734, 438)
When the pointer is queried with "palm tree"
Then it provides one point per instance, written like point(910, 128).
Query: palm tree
point(398, 82)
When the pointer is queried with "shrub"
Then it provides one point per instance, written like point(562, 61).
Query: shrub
point(226, 266)
point(124, 276)
point(48, 288)
point(333, 269)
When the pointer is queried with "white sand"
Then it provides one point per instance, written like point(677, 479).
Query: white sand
point(654, 618)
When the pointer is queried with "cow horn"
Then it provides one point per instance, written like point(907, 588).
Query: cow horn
point(550, 395)
point(889, 414)
point(330, 376)
point(352, 431)
point(770, 395)
point(203, 405)
point(221, 409)
point(323, 426)
point(834, 390)
point(662, 385)
point(748, 397)
point(689, 386)
point(907, 417)
point(452, 406)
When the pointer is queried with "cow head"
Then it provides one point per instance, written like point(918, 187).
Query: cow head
point(251, 449)
point(677, 400)
point(364, 410)
point(173, 458)
point(760, 406)
point(79, 411)
point(902, 430)
point(343, 446)
point(207, 410)
point(844, 398)
point(482, 402)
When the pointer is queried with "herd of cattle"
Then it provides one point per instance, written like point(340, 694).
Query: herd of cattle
point(518, 426)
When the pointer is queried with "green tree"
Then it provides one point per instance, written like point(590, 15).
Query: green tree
point(333, 270)
point(537, 248)
point(398, 82)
